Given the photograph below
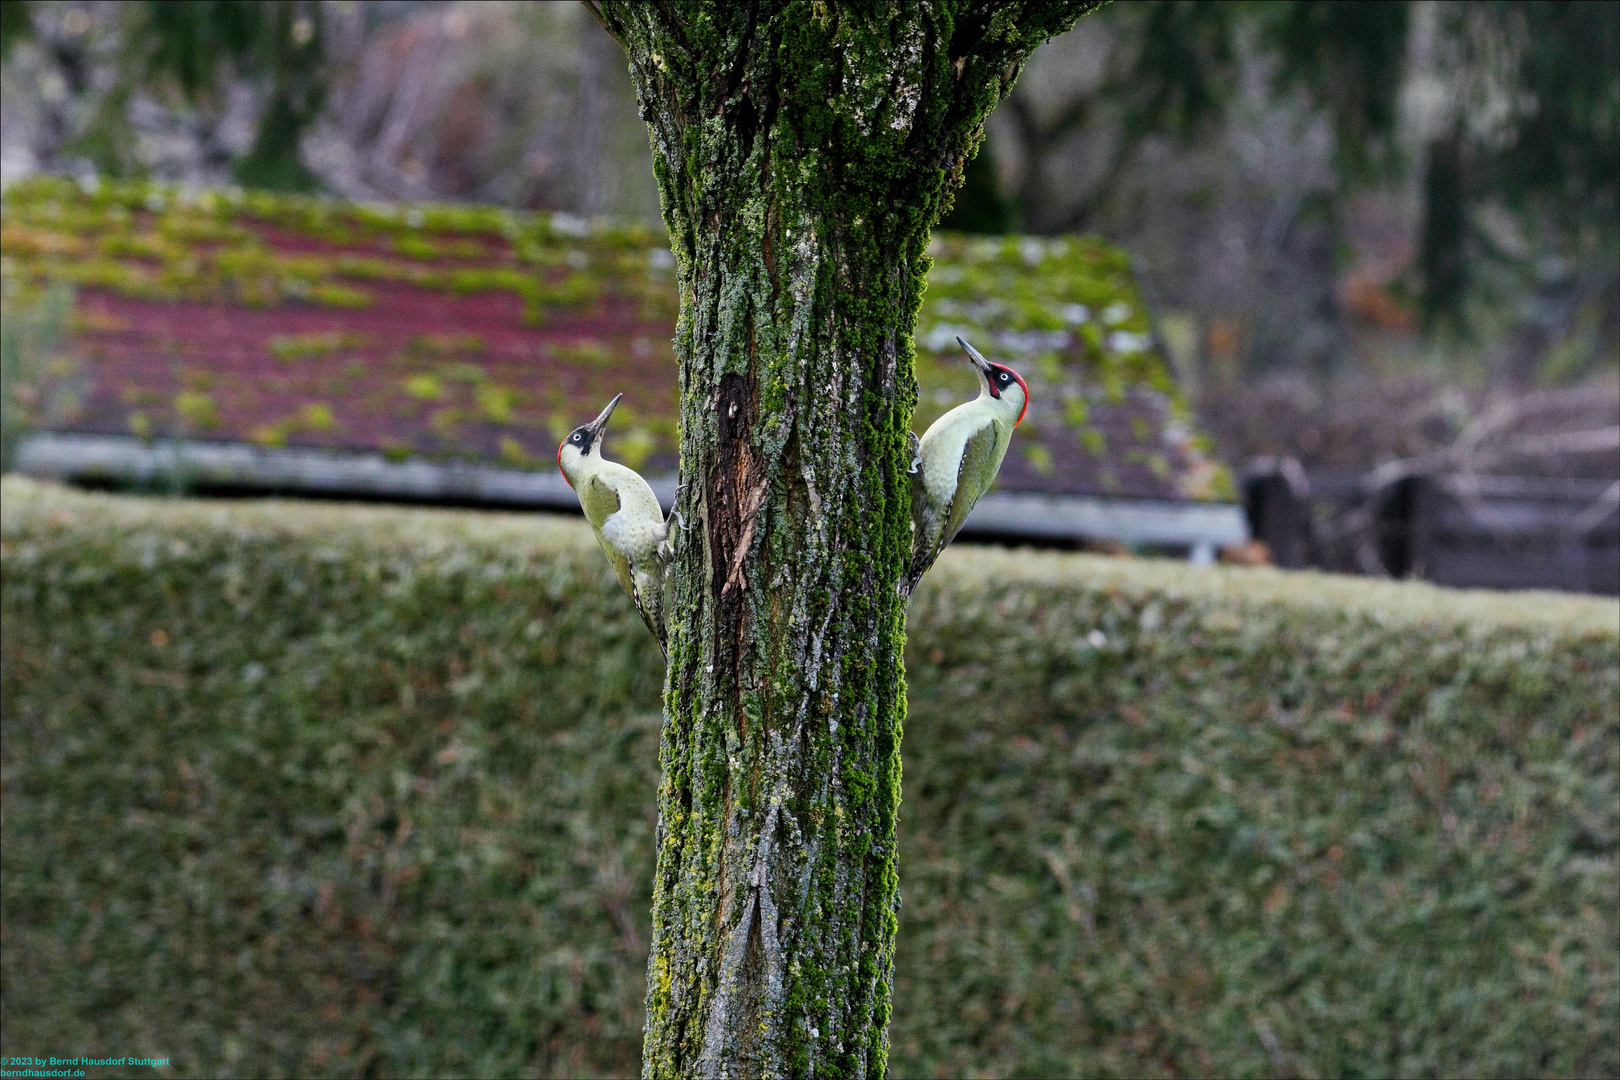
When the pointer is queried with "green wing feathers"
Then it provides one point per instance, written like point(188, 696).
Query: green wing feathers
point(599, 500)
point(647, 590)
point(981, 460)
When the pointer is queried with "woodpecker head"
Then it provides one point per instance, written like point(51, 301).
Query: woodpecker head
point(999, 381)
point(584, 441)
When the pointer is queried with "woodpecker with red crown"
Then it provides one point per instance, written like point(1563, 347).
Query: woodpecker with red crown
point(958, 457)
point(625, 515)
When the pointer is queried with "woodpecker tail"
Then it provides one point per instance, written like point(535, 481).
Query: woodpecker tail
point(922, 559)
point(648, 597)
point(928, 537)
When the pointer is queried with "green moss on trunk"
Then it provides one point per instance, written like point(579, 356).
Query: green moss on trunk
point(803, 152)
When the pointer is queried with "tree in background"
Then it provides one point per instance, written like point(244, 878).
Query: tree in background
point(803, 151)
point(1521, 183)
point(1510, 133)
point(1172, 69)
point(515, 103)
point(526, 105)
point(187, 52)
point(15, 25)
point(1087, 131)
point(195, 44)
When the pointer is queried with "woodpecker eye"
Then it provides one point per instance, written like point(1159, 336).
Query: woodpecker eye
point(1003, 376)
point(577, 436)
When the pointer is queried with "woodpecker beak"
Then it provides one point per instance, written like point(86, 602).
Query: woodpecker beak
point(600, 422)
point(973, 355)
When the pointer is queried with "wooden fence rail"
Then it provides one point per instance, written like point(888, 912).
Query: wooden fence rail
point(1453, 529)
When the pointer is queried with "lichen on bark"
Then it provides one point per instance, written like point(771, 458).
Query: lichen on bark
point(803, 151)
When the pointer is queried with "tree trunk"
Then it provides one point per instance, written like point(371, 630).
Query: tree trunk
point(803, 151)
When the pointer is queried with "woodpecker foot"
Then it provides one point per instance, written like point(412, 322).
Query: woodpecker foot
point(674, 514)
point(916, 452)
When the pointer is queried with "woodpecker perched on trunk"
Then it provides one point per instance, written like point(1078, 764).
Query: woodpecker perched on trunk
point(624, 513)
point(958, 458)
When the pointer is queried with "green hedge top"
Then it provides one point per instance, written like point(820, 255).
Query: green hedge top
point(1240, 590)
point(963, 570)
point(27, 505)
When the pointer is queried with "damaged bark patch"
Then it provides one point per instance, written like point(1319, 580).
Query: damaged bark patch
point(737, 485)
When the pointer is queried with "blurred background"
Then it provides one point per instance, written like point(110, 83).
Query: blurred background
point(1379, 241)
point(294, 788)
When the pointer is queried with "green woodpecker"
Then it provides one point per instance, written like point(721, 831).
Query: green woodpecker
point(958, 458)
point(625, 515)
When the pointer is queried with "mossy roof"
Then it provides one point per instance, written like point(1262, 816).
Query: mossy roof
point(478, 333)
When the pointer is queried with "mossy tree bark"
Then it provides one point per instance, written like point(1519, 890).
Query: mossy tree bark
point(803, 151)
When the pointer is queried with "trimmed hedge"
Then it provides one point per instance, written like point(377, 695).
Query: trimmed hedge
point(305, 789)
